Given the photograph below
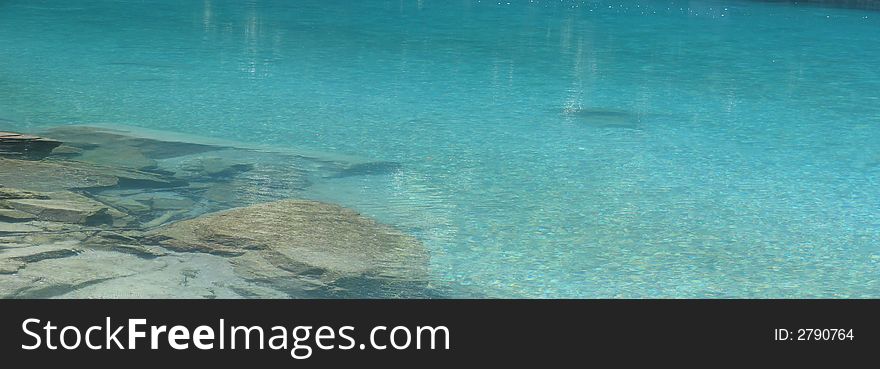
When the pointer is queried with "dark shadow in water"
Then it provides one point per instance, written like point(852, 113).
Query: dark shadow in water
point(605, 118)
point(368, 169)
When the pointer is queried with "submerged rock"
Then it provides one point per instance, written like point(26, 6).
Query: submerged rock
point(301, 243)
point(212, 167)
point(117, 156)
point(65, 150)
point(13, 216)
point(26, 146)
point(60, 175)
point(142, 149)
point(14, 193)
point(17, 228)
point(56, 269)
point(66, 207)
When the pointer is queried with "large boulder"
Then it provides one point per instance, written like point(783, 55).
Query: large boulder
point(301, 243)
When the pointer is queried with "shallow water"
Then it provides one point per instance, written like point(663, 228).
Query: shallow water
point(538, 148)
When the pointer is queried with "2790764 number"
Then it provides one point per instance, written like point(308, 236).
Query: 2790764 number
point(827, 334)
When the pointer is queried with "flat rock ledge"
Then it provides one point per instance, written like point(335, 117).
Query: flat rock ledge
point(306, 244)
point(26, 146)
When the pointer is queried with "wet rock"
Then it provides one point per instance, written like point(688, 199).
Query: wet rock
point(162, 219)
point(96, 138)
point(7, 228)
point(12, 193)
point(57, 276)
point(67, 207)
point(212, 167)
point(152, 201)
point(9, 266)
point(37, 253)
point(119, 156)
point(65, 150)
point(299, 241)
point(14, 216)
point(181, 276)
point(126, 204)
point(26, 146)
point(56, 175)
point(47, 176)
point(170, 203)
point(124, 242)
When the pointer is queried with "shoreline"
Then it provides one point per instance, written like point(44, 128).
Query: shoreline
point(114, 212)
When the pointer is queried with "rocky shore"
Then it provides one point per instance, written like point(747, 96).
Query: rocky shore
point(107, 213)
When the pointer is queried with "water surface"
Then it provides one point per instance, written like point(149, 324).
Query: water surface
point(539, 148)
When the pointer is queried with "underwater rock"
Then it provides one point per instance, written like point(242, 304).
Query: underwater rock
point(117, 156)
point(165, 201)
point(98, 138)
point(124, 242)
point(8, 266)
point(46, 176)
point(13, 193)
point(65, 150)
point(212, 167)
point(313, 242)
point(179, 276)
point(67, 207)
point(26, 146)
point(127, 204)
point(15, 216)
point(37, 253)
point(67, 269)
point(6, 228)
point(56, 175)
point(162, 219)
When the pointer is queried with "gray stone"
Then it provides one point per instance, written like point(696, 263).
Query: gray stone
point(301, 242)
point(162, 219)
point(6, 228)
point(127, 204)
point(26, 146)
point(13, 216)
point(67, 207)
point(9, 266)
point(65, 150)
point(165, 203)
point(12, 193)
point(181, 276)
point(118, 156)
point(59, 175)
point(90, 138)
point(213, 167)
point(37, 253)
point(57, 276)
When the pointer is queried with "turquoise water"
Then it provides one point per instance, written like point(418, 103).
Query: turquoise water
point(547, 148)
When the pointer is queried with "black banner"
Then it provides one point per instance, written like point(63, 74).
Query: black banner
point(299, 333)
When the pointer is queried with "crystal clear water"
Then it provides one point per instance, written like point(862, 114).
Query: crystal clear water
point(548, 148)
